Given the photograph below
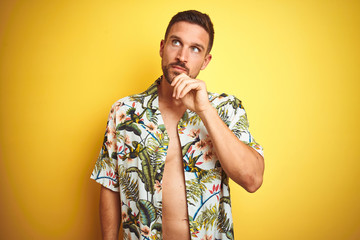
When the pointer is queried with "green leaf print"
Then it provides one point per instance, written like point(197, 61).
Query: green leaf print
point(151, 116)
point(147, 173)
point(240, 126)
point(137, 98)
point(194, 120)
point(133, 228)
point(157, 147)
point(186, 147)
point(103, 162)
point(225, 200)
point(162, 128)
point(223, 223)
point(130, 186)
point(156, 226)
point(195, 188)
point(230, 234)
point(224, 115)
point(147, 170)
point(207, 217)
point(236, 103)
point(243, 123)
point(129, 126)
point(147, 212)
point(211, 175)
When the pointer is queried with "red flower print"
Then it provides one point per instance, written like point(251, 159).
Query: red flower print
point(110, 145)
point(208, 141)
point(124, 216)
point(145, 230)
point(215, 188)
point(151, 127)
point(127, 140)
point(194, 133)
point(206, 237)
point(121, 117)
point(208, 156)
point(200, 145)
point(157, 186)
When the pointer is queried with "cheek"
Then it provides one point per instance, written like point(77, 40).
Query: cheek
point(169, 52)
point(198, 64)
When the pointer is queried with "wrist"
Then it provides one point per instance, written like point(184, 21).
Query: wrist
point(207, 112)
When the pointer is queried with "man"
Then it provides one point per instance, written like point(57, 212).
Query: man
point(170, 150)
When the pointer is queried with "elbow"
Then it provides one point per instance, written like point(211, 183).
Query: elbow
point(250, 178)
point(255, 178)
point(253, 184)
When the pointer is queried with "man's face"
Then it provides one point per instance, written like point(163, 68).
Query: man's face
point(184, 50)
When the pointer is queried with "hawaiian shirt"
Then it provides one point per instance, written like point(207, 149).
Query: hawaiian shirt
point(132, 161)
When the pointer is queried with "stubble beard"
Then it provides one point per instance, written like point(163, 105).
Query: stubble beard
point(167, 74)
point(166, 71)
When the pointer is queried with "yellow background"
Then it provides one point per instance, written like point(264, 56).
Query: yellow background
point(294, 64)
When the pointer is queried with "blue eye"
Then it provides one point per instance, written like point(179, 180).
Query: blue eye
point(195, 49)
point(176, 42)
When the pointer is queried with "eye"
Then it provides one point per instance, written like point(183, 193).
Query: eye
point(176, 42)
point(196, 49)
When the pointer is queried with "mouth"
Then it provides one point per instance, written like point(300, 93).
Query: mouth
point(179, 68)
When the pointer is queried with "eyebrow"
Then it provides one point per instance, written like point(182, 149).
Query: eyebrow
point(193, 44)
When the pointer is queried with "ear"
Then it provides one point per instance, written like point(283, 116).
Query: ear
point(206, 61)
point(162, 43)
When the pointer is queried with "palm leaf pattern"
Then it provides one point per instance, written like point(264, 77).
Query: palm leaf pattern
point(130, 186)
point(194, 190)
point(147, 211)
point(132, 161)
point(223, 223)
point(207, 217)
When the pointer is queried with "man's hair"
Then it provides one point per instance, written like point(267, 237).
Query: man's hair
point(195, 17)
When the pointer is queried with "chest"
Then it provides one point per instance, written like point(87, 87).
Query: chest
point(171, 117)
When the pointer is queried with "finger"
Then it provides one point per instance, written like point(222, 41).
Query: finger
point(177, 78)
point(179, 82)
point(188, 87)
point(196, 85)
point(181, 85)
point(175, 81)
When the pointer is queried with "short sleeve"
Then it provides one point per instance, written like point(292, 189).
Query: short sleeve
point(239, 125)
point(105, 170)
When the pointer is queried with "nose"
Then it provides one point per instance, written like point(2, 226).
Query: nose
point(182, 55)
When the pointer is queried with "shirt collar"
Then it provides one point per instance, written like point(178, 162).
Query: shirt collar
point(151, 95)
point(153, 89)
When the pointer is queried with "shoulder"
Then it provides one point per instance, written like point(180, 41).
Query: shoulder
point(134, 100)
point(224, 100)
point(130, 100)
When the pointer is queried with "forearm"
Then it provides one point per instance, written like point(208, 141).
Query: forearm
point(240, 162)
point(109, 213)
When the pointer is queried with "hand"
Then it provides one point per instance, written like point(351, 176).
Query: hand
point(192, 93)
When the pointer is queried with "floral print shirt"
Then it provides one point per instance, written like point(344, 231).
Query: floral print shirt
point(132, 161)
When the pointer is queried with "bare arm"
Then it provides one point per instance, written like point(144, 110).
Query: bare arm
point(109, 213)
point(240, 162)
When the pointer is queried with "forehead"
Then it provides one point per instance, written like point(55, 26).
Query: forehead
point(189, 32)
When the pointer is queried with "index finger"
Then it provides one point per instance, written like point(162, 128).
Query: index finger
point(177, 78)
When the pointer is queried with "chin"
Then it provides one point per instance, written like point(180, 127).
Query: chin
point(170, 76)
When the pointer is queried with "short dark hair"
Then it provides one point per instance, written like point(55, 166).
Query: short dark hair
point(195, 17)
